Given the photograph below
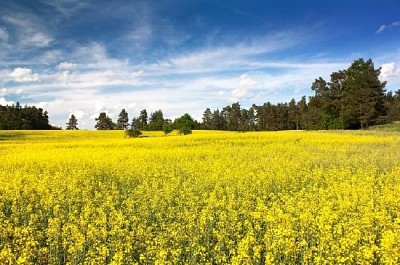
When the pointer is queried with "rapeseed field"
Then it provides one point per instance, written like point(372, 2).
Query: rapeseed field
point(93, 197)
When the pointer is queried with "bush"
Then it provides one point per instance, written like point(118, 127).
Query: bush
point(134, 133)
point(167, 128)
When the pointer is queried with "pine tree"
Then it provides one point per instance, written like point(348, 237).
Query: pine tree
point(72, 123)
point(363, 95)
point(142, 120)
point(104, 122)
point(156, 121)
point(207, 117)
point(123, 120)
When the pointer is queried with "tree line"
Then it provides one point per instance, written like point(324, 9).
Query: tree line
point(16, 117)
point(353, 98)
point(144, 122)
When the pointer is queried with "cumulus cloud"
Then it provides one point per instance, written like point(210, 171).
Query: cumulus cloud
point(246, 83)
point(24, 75)
point(390, 72)
point(42, 104)
point(384, 27)
point(79, 114)
point(4, 102)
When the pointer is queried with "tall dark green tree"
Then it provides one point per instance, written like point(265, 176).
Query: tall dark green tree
point(142, 120)
point(207, 119)
point(156, 121)
point(392, 102)
point(123, 120)
point(302, 110)
point(217, 122)
point(231, 115)
point(293, 115)
point(104, 122)
point(135, 123)
point(363, 95)
point(72, 123)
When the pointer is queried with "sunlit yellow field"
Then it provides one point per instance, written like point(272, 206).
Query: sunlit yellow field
point(92, 197)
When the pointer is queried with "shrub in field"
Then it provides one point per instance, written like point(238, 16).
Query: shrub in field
point(133, 133)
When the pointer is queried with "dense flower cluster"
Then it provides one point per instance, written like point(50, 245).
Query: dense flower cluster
point(209, 198)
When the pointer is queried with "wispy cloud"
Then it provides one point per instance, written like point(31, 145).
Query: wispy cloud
point(66, 7)
point(3, 35)
point(84, 57)
point(208, 77)
point(28, 30)
point(384, 27)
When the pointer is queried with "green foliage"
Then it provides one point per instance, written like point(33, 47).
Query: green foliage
point(167, 128)
point(363, 95)
point(184, 124)
point(392, 102)
point(72, 123)
point(104, 122)
point(133, 133)
point(156, 121)
point(15, 117)
point(123, 120)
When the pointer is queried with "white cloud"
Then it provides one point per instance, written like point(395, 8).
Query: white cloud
point(390, 72)
point(66, 66)
point(39, 39)
point(246, 83)
point(4, 102)
point(3, 92)
point(3, 35)
point(64, 76)
point(24, 75)
point(66, 69)
point(42, 104)
point(208, 77)
point(79, 114)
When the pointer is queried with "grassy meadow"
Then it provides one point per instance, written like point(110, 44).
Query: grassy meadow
point(293, 197)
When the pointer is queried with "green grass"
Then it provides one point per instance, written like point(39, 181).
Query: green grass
point(392, 127)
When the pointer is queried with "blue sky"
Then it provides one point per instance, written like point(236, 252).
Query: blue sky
point(85, 57)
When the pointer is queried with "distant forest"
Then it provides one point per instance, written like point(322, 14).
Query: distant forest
point(354, 98)
point(16, 117)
